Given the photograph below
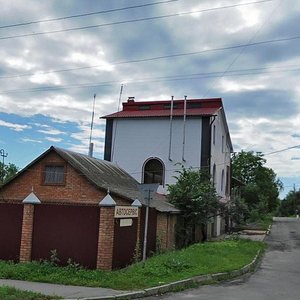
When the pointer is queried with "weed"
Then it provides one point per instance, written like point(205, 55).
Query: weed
point(198, 259)
point(54, 260)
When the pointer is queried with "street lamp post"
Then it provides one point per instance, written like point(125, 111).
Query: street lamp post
point(147, 191)
point(3, 154)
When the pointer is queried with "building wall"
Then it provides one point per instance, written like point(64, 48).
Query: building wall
point(136, 140)
point(62, 206)
point(220, 155)
point(76, 189)
point(68, 207)
point(220, 158)
point(166, 231)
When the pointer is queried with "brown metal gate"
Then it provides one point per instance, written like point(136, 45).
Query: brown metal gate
point(71, 230)
point(11, 216)
point(125, 239)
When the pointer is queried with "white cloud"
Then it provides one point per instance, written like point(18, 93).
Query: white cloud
point(52, 131)
point(19, 63)
point(230, 85)
point(52, 139)
point(41, 78)
point(14, 126)
point(29, 140)
point(106, 45)
point(88, 59)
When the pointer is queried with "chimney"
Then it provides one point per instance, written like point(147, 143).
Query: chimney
point(130, 99)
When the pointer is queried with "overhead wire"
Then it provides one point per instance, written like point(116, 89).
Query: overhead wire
point(128, 21)
point(160, 57)
point(192, 76)
point(86, 14)
point(245, 47)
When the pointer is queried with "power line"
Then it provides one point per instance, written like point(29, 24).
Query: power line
point(160, 57)
point(249, 41)
point(243, 72)
point(86, 14)
point(129, 21)
point(283, 150)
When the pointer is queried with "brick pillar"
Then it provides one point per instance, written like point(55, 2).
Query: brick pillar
point(27, 229)
point(106, 238)
point(138, 241)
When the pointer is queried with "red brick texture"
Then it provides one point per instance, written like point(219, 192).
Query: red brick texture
point(106, 238)
point(26, 238)
point(76, 190)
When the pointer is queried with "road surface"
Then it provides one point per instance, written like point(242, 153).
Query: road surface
point(278, 276)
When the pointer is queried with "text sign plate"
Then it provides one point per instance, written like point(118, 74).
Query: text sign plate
point(126, 212)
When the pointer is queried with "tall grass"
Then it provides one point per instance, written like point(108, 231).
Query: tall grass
point(198, 259)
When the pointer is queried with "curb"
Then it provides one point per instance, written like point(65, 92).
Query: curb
point(182, 284)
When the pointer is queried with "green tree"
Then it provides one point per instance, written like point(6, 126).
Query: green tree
point(262, 186)
point(197, 199)
point(236, 210)
point(7, 172)
point(290, 204)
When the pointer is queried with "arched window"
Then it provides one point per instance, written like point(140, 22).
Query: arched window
point(154, 171)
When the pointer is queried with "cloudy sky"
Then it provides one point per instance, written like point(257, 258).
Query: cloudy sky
point(55, 55)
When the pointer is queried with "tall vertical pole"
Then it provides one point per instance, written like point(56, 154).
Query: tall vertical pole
point(147, 191)
point(3, 154)
point(91, 145)
point(171, 128)
point(115, 125)
point(146, 228)
point(184, 121)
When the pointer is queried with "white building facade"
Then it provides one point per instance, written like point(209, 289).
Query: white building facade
point(151, 140)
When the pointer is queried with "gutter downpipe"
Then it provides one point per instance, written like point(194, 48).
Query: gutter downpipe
point(210, 127)
point(171, 129)
point(184, 123)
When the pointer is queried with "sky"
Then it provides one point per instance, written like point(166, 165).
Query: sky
point(55, 55)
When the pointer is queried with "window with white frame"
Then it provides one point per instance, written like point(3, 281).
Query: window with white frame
point(54, 175)
point(153, 171)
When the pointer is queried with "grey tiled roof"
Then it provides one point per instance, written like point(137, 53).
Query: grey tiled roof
point(107, 175)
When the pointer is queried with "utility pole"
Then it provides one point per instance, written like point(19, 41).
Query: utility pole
point(147, 192)
point(3, 154)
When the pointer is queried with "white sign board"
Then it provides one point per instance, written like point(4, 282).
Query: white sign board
point(126, 222)
point(126, 212)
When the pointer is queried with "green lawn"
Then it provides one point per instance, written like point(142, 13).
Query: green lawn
point(10, 293)
point(198, 259)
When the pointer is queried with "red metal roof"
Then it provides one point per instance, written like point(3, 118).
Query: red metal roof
point(148, 109)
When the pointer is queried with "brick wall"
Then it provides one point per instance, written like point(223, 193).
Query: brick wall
point(166, 230)
point(106, 238)
point(27, 229)
point(76, 189)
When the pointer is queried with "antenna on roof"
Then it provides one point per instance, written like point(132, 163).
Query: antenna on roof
point(116, 124)
point(91, 145)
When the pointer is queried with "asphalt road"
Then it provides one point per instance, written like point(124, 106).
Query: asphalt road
point(278, 276)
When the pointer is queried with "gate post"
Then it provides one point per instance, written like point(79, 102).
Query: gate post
point(26, 237)
point(27, 226)
point(106, 233)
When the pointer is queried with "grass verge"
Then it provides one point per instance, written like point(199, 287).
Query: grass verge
point(10, 293)
point(198, 259)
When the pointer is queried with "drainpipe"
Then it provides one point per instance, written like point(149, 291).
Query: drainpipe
point(171, 129)
point(210, 127)
point(184, 123)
